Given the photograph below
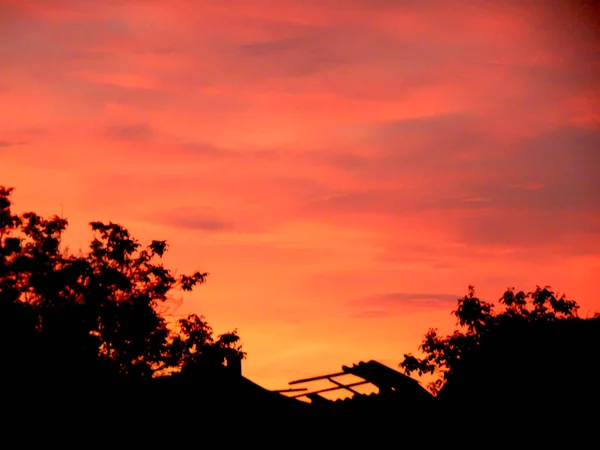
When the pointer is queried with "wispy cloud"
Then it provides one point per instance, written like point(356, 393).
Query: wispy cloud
point(6, 144)
point(193, 220)
point(135, 132)
point(397, 303)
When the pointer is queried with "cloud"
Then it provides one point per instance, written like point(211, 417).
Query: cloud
point(5, 144)
point(134, 132)
point(419, 149)
point(299, 56)
point(406, 298)
point(194, 150)
point(394, 303)
point(196, 221)
point(560, 234)
point(446, 163)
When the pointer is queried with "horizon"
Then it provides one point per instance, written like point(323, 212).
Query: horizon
point(342, 170)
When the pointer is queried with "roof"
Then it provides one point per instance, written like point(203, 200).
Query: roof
point(394, 389)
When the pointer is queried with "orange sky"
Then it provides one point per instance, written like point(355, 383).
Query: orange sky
point(343, 169)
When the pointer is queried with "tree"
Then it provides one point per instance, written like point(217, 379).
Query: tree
point(94, 312)
point(477, 319)
point(194, 346)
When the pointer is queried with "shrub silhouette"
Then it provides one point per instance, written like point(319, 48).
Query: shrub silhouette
point(479, 321)
point(93, 314)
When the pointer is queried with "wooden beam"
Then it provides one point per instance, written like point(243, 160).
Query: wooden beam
point(322, 377)
point(343, 386)
point(281, 391)
point(332, 389)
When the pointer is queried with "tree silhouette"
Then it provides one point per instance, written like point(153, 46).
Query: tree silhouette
point(194, 346)
point(93, 313)
point(477, 320)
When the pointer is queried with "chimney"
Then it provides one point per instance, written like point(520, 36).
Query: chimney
point(234, 364)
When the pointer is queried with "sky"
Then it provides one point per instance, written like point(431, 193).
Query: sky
point(343, 169)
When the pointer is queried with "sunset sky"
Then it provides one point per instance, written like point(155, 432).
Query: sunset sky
point(343, 169)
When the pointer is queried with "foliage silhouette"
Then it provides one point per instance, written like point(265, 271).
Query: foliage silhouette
point(94, 314)
point(479, 320)
point(195, 348)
